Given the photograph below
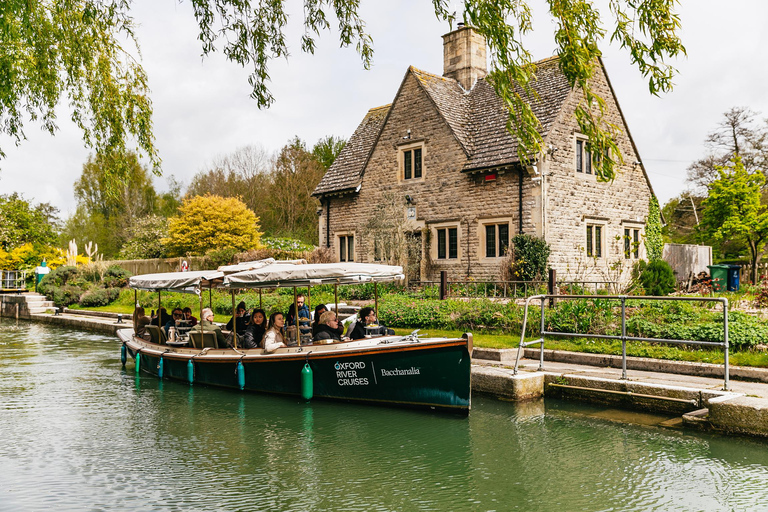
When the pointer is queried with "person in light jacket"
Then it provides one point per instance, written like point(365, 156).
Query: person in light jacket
point(273, 338)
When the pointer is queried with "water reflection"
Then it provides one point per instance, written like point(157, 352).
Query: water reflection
point(82, 433)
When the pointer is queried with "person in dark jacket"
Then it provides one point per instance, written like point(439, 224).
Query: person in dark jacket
point(328, 329)
point(367, 324)
point(319, 310)
point(254, 331)
point(290, 318)
point(241, 317)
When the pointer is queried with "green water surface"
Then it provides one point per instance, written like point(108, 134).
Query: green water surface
point(80, 433)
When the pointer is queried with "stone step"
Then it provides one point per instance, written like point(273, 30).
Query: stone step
point(40, 310)
point(37, 300)
point(103, 314)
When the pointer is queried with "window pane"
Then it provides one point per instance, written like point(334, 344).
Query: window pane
point(627, 250)
point(440, 244)
point(407, 163)
point(490, 241)
point(503, 238)
point(589, 240)
point(588, 162)
point(637, 243)
point(579, 149)
point(417, 163)
point(350, 248)
point(453, 243)
point(598, 242)
point(342, 248)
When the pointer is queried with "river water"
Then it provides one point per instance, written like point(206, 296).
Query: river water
point(80, 433)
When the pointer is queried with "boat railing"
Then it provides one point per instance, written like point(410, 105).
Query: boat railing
point(13, 280)
point(623, 299)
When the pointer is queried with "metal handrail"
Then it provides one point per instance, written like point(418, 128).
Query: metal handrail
point(623, 337)
point(13, 279)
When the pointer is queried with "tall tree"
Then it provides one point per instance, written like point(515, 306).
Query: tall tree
point(682, 216)
point(106, 210)
point(292, 209)
point(327, 149)
point(48, 49)
point(732, 211)
point(21, 222)
point(244, 173)
point(739, 132)
point(78, 49)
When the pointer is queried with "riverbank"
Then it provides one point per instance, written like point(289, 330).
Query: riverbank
point(693, 391)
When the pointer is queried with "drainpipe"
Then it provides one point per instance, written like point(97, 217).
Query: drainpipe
point(328, 223)
point(520, 201)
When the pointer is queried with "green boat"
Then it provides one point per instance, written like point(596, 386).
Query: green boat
point(401, 371)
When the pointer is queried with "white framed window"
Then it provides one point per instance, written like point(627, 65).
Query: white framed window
point(411, 162)
point(594, 240)
point(632, 243)
point(583, 157)
point(494, 238)
point(346, 245)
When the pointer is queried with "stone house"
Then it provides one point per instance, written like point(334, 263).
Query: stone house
point(441, 152)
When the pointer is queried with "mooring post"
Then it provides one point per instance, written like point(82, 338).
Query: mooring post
point(443, 285)
point(552, 286)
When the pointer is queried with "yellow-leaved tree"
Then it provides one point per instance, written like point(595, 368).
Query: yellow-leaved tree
point(209, 222)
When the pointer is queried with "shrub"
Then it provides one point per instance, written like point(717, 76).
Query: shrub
point(658, 278)
point(65, 296)
point(116, 277)
point(219, 257)
point(99, 297)
point(527, 259)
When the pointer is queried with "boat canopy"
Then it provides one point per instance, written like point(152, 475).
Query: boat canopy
point(194, 281)
point(281, 275)
point(182, 282)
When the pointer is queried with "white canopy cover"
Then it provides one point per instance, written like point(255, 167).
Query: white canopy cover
point(183, 282)
point(280, 274)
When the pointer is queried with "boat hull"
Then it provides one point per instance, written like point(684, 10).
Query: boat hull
point(432, 374)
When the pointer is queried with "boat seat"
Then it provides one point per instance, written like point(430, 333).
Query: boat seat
point(157, 335)
point(203, 340)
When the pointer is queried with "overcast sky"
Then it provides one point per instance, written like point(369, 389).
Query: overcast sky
point(202, 107)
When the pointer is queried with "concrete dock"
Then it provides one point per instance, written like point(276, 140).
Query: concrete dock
point(693, 393)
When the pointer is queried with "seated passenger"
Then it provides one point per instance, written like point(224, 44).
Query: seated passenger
point(177, 315)
point(191, 320)
point(140, 323)
point(367, 319)
point(207, 325)
point(329, 327)
point(319, 310)
point(304, 322)
point(254, 331)
point(240, 317)
point(161, 318)
point(273, 338)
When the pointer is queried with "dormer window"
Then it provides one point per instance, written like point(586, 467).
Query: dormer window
point(412, 162)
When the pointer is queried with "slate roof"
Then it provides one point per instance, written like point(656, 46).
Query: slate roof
point(477, 118)
point(346, 171)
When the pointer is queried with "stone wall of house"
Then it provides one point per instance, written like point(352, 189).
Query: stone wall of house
point(574, 199)
point(444, 197)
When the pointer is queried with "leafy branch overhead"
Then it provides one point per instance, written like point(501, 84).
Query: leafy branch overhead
point(49, 49)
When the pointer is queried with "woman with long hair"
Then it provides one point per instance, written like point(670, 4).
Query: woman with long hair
point(273, 338)
point(254, 331)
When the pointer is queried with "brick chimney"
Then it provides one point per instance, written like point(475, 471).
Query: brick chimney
point(464, 56)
